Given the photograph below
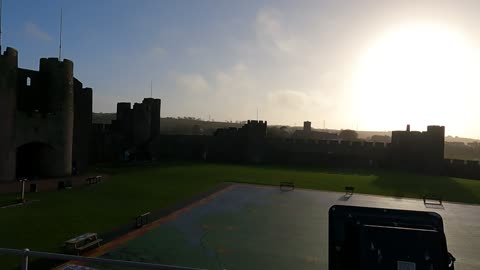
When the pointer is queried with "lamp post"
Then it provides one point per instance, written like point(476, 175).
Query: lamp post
point(23, 180)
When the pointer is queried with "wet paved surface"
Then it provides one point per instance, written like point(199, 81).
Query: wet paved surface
point(257, 227)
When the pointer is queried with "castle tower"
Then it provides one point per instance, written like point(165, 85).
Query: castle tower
point(435, 143)
point(307, 126)
point(125, 118)
point(82, 124)
point(57, 79)
point(141, 123)
point(154, 106)
point(8, 80)
point(123, 110)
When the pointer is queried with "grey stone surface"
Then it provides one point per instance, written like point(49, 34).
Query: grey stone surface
point(261, 227)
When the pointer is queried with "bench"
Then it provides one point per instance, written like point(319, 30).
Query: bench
point(33, 188)
point(82, 242)
point(64, 184)
point(349, 191)
point(89, 244)
point(142, 220)
point(68, 184)
point(94, 179)
point(60, 185)
point(286, 186)
point(430, 199)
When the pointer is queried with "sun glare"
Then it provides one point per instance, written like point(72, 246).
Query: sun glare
point(419, 74)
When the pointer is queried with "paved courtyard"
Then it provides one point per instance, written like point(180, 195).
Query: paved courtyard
point(260, 227)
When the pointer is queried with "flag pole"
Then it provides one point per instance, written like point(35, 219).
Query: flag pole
point(60, 42)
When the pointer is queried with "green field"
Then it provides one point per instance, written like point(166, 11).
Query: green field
point(53, 217)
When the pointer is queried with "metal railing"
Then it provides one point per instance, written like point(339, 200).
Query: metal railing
point(26, 253)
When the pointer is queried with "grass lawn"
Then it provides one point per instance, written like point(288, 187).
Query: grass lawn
point(57, 216)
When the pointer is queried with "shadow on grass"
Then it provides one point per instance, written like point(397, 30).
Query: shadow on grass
point(126, 166)
point(309, 168)
point(399, 184)
point(389, 183)
point(434, 206)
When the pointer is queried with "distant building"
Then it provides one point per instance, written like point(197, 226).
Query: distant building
point(46, 117)
point(308, 133)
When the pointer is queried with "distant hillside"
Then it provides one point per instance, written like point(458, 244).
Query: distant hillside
point(460, 139)
point(103, 118)
point(190, 125)
point(368, 134)
point(170, 125)
point(361, 134)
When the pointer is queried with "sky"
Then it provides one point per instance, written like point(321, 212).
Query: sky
point(367, 65)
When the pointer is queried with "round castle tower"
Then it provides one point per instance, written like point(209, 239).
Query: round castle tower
point(8, 104)
point(58, 79)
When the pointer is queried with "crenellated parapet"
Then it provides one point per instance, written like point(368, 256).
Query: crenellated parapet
point(331, 147)
point(462, 168)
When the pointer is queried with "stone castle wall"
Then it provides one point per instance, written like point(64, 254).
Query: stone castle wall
point(47, 115)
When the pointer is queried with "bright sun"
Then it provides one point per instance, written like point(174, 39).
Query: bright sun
point(418, 74)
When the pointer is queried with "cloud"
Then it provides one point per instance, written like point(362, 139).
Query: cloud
point(193, 51)
point(193, 83)
point(288, 99)
point(34, 31)
point(235, 79)
point(158, 52)
point(225, 94)
point(239, 68)
point(272, 33)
